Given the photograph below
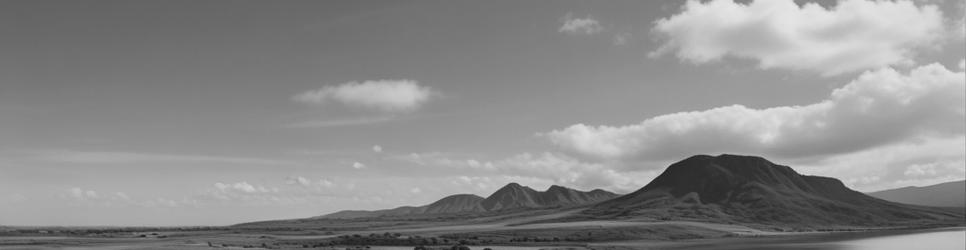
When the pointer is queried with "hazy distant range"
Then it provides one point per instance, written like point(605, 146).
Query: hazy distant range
point(949, 194)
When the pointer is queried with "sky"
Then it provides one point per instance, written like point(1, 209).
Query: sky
point(167, 113)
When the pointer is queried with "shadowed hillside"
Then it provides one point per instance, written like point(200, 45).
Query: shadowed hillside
point(949, 194)
point(513, 196)
point(746, 189)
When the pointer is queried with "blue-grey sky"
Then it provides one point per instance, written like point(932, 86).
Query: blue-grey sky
point(221, 112)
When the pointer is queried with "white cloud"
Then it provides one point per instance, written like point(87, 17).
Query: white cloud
point(962, 64)
point(122, 195)
point(358, 165)
point(243, 187)
point(918, 162)
point(578, 26)
point(854, 35)
point(383, 95)
point(568, 171)
point(298, 180)
point(326, 183)
point(878, 108)
point(377, 149)
point(81, 194)
point(547, 167)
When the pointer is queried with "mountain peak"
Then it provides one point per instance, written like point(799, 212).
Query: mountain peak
point(514, 195)
point(557, 188)
point(511, 196)
point(714, 177)
point(513, 185)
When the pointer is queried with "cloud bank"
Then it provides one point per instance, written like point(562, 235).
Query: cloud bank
point(381, 95)
point(878, 108)
point(546, 167)
point(854, 35)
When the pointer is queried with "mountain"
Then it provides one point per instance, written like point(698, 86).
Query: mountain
point(748, 189)
point(949, 194)
point(509, 197)
point(513, 196)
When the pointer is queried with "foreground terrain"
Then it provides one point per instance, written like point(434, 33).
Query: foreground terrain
point(590, 235)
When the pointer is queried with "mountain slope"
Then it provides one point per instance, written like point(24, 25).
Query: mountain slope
point(731, 188)
point(511, 196)
point(459, 203)
point(949, 194)
point(514, 196)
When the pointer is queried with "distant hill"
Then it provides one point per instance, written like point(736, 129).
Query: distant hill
point(459, 203)
point(510, 197)
point(949, 194)
point(514, 196)
point(747, 189)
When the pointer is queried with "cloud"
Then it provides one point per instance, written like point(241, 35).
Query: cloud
point(878, 108)
point(377, 149)
point(298, 180)
point(382, 95)
point(851, 36)
point(917, 162)
point(580, 26)
point(358, 165)
point(546, 167)
point(80, 194)
point(243, 187)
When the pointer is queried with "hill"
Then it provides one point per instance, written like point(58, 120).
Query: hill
point(753, 190)
point(513, 196)
point(949, 194)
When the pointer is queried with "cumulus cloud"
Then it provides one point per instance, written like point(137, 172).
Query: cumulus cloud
point(580, 26)
point(851, 36)
point(382, 95)
point(878, 108)
point(358, 165)
point(916, 162)
point(377, 149)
